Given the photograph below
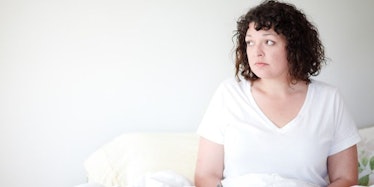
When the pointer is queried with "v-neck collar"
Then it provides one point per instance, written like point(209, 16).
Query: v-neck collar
point(270, 123)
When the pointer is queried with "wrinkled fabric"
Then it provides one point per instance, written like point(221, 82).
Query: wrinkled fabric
point(162, 179)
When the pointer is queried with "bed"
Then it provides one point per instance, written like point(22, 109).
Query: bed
point(168, 160)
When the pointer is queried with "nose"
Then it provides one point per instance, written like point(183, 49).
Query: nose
point(259, 50)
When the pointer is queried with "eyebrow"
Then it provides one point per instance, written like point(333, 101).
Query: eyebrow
point(266, 34)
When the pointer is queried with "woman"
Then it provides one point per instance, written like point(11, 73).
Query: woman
point(273, 123)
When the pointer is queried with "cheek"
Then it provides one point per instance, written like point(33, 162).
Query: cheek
point(280, 54)
point(249, 54)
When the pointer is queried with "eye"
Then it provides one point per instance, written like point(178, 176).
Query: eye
point(269, 42)
point(250, 43)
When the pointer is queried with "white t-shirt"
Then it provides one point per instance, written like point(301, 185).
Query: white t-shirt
point(299, 150)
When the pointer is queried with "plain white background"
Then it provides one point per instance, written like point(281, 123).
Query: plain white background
point(76, 73)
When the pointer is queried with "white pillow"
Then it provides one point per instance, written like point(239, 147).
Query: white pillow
point(131, 156)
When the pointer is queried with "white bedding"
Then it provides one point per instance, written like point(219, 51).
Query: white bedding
point(142, 155)
point(162, 179)
point(165, 178)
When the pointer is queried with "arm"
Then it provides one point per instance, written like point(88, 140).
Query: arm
point(209, 166)
point(342, 168)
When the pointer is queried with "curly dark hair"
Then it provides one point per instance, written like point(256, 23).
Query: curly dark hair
point(305, 52)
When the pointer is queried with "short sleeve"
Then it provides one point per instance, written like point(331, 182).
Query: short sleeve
point(214, 120)
point(346, 132)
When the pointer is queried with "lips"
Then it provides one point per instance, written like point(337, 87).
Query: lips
point(260, 64)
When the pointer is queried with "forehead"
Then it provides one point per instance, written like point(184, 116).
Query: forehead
point(252, 32)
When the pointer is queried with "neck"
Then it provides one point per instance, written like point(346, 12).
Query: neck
point(278, 87)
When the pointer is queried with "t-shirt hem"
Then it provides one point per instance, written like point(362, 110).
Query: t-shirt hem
point(210, 138)
point(345, 144)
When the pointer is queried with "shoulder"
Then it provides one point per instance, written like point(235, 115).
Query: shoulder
point(322, 87)
point(234, 84)
point(325, 93)
point(233, 89)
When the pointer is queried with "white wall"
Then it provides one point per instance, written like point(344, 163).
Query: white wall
point(76, 73)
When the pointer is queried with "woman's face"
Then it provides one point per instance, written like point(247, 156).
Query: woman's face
point(266, 52)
